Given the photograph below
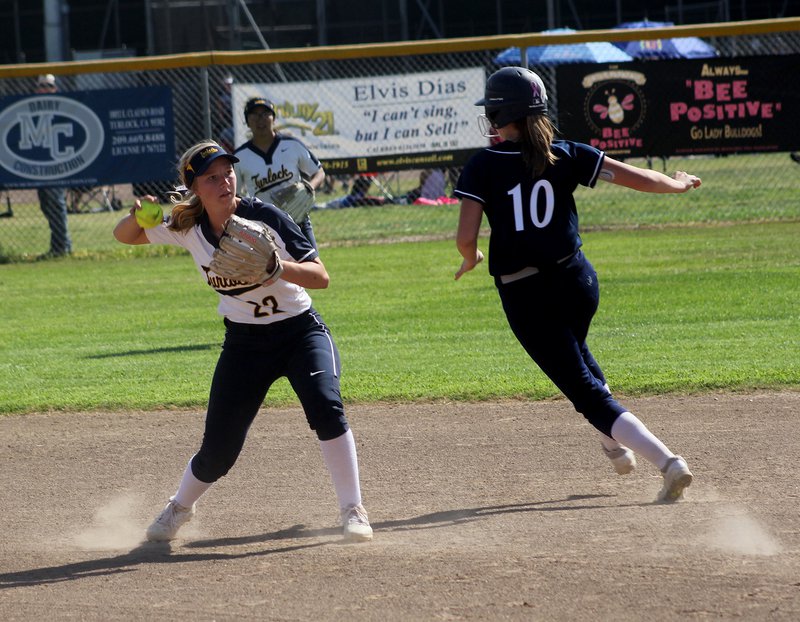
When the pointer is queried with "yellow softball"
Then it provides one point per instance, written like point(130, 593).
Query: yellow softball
point(150, 215)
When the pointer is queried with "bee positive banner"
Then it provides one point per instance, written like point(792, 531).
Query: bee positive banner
point(377, 123)
point(86, 138)
point(682, 107)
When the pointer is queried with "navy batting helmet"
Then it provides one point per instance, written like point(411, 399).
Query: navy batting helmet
point(513, 93)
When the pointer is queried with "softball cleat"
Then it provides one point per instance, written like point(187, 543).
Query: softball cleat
point(622, 458)
point(172, 517)
point(356, 524)
point(677, 477)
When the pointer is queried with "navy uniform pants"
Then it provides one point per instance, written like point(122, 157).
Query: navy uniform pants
point(550, 314)
point(253, 357)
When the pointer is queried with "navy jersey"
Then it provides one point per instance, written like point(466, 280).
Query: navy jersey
point(533, 221)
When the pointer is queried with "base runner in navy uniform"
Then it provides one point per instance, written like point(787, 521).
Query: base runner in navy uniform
point(548, 288)
point(271, 331)
point(271, 160)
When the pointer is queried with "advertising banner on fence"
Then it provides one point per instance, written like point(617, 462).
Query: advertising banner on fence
point(87, 138)
point(370, 124)
point(682, 107)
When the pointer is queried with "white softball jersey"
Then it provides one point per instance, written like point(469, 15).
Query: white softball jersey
point(238, 301)
point(258, 173)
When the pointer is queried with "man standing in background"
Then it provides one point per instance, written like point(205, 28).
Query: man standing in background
point(53, 201)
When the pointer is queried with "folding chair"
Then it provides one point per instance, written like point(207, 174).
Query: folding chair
point(86, 200)
point(382, 181)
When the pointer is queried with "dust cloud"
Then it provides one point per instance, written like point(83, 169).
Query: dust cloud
point(113, 527)
point(733, 530)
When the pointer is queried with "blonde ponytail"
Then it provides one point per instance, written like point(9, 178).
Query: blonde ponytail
point(536, 137)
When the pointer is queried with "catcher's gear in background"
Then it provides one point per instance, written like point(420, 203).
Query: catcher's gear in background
point(295, 199)
point(247, 252)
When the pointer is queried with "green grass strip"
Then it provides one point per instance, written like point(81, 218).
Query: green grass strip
point(682, 310)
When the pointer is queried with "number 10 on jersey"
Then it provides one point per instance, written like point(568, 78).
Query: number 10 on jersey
point(541, 188)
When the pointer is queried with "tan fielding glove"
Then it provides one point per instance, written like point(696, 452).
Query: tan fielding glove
point(295, 199)
point(247, 252)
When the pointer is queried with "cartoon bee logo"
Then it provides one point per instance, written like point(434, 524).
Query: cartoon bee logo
point(615, 109)
point(615, 106)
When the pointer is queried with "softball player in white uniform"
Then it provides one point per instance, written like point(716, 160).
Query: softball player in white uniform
point(270, 160)
point(271, 331)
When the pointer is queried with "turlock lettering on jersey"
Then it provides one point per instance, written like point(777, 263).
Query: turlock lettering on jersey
point(272, 178)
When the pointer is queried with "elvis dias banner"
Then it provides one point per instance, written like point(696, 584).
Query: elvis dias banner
point(86, 138)
point(377, 123)
point(682, 107)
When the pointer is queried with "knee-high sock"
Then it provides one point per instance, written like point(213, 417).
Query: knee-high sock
point(190, 489)
point(631, 432)
point(340, 457)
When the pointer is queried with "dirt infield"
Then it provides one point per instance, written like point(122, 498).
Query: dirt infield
point(502, 511)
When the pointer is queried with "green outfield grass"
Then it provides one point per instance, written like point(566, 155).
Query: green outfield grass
point(741, 188)
point(683, 310)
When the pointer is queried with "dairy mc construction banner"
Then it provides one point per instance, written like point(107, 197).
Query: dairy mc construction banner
point(371, 124)
point(86, 138)
point(682, 107)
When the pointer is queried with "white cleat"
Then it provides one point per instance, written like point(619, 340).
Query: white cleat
point(356, 524)
point(623, 459)
point(677, 477)
point(172, 517)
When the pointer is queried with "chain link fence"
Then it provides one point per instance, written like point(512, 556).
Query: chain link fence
point(207, 100)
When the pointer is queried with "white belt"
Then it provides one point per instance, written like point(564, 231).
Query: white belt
point(529, 271)
point(520, 274)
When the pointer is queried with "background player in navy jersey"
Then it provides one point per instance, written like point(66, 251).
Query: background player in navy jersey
point(548, 289)
point(271, 160)
point(271, 331)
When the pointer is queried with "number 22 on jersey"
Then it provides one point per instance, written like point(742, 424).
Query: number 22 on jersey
point(541, 188)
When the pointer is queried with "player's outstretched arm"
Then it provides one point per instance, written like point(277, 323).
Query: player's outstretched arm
point(646, 180)
point(469, 225)
point(128, 231)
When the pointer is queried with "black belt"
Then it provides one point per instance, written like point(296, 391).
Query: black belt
point(264, 329)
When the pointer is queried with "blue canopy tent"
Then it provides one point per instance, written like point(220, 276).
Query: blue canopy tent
point(676, 47)
point(558, 53)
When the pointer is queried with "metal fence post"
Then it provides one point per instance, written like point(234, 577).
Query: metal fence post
point(206, 102)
